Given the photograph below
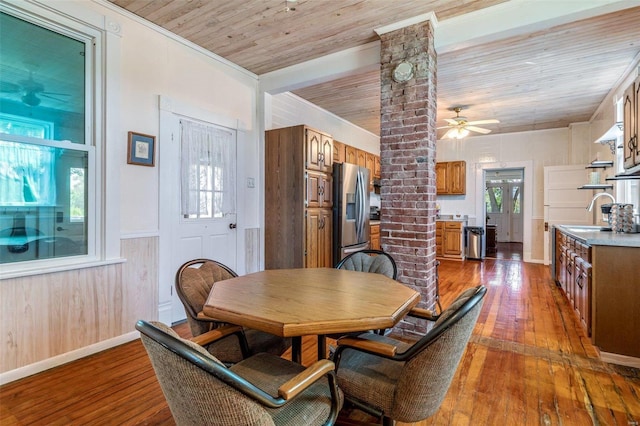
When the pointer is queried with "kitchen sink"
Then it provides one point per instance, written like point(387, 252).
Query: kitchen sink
point(585, 228)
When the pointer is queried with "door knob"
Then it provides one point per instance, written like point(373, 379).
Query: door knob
point(233, 226)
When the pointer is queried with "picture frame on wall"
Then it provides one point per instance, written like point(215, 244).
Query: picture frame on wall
point(141, 149)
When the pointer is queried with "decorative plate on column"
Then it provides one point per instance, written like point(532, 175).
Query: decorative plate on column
point(403, 72)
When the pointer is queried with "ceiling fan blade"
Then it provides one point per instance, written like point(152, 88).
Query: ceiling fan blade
point(54, 94)
point(491, 121)
point(451, 121)
point(44, 95)
point(7, 87)
point(478, 129)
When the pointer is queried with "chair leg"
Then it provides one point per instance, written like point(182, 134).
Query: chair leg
point(386, 421)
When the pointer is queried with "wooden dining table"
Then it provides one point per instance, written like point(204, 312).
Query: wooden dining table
point(312, 301)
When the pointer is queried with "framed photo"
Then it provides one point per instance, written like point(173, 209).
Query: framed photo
point(141, 149)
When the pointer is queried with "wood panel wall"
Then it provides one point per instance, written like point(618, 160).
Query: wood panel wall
point(46, 315)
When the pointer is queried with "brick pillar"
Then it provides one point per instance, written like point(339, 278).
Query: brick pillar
point(407, 152)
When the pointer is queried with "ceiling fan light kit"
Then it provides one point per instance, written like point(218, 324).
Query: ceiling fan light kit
point(459, 127)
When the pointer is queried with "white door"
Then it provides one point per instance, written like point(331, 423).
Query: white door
point(504, 209)
point(515, 212)
point(206, 228)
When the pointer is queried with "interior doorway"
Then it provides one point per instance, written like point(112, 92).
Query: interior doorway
point(503, 203)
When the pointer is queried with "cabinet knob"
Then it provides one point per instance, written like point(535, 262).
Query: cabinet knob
point(233, 226)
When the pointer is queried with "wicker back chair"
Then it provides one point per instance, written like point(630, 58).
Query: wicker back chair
point(194, 281)
point(407, 382)
point(370, 260)
point(263, 389)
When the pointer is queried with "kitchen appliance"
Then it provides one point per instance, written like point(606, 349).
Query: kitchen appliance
point(350, 209)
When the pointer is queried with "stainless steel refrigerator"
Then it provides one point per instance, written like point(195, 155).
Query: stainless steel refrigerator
point(350, 210)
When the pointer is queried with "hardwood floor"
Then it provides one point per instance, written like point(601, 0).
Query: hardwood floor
point(527, 363)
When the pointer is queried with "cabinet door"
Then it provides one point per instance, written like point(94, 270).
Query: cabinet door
point(326, 154)
point(441, 178)
point(375, 237)
point(629, 137)
point(370, 164)
point(439, 239)
point(318, 238)
point(457, 177)
point(338, 152)
point(361, 158)
point(585, 299)
point(314, 181)
point(313, 150)
point(376, 167)
point(452, 239)
point(319, 187)
point(326, 191)
point(351, 156)
point(325, 239)
point(636, 121)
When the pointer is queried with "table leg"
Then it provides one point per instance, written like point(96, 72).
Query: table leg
point(296, 349)
point(322, 346)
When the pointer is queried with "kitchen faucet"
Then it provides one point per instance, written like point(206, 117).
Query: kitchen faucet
point(598, 195)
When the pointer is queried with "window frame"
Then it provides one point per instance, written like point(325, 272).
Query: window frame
point(88, 27)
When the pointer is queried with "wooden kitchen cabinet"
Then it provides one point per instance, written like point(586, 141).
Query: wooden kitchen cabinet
point(449, 239)
point(298, 198)
point(375, 236)
point(350, 154)
point(361, 158)
point(376, 167)
point(339, 154)
point(319, 238)
point(451, 178)
point(631, 118)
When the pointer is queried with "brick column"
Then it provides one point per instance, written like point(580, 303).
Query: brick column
point(407, 152)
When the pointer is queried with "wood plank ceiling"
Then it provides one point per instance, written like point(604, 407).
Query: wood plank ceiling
point(539, 80)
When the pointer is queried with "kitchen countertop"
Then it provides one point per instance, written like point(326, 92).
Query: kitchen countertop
point(593, 236)
point(374, 222)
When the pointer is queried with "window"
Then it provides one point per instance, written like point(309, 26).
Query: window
point(46, 150)
point(208, 171)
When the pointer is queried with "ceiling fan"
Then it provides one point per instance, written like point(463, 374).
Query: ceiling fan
point(31, 91)
point(459, 127)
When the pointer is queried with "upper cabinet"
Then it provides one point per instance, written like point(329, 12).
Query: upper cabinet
point(631, 117)
point(451, 178)
point(319, 155)
point(350, 154)
point(339, 154)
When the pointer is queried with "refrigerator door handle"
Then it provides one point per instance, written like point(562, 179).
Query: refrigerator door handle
point(359, 206)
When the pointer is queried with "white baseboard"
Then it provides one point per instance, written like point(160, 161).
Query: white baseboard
point(40, 366)
point(629, 361)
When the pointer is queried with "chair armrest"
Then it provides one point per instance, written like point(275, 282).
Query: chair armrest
point(378, 348)
point(216, 334)
point(306, 378)
point(427, 314)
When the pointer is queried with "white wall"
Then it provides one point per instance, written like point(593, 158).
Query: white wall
point(287, 109)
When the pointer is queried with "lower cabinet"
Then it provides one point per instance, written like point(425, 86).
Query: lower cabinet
point(574, 276)
point(375, 237)
point(449, 239)
point(319, 234)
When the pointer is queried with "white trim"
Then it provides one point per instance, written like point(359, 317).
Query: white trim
point(527, 230)
point(182, 109)
point(60, 267)
point(46, 364)
point(134, 235)
point(629, 361)
point(431, 16)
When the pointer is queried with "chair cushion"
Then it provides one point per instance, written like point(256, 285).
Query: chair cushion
point(268, 372)
point(365, 263)
point(371, 378)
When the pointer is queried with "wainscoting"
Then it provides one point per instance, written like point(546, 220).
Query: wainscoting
point(50, 315)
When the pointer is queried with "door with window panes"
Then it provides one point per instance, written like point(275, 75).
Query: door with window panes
point(200, 200)
point(503, 202)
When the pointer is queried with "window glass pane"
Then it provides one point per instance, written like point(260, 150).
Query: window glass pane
point(515, 199)
point(35, 222)
point(42, 77)
point(44, 195)
point(493, 199)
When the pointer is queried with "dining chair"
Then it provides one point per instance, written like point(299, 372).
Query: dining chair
point(263, 389)
point(194, 280)
point(402, 381)
point(370, 260)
